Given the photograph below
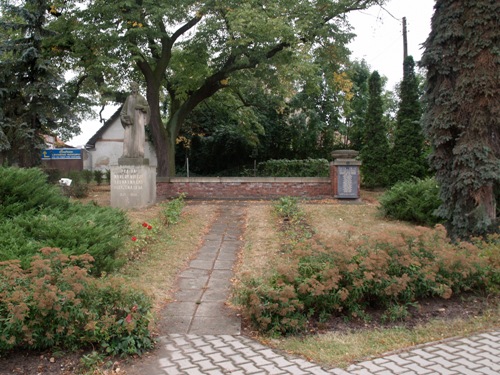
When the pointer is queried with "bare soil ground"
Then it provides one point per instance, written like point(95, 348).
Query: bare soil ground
point(347, 218)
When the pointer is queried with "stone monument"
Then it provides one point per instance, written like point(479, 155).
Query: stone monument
point(345, 174)
point(133, 180)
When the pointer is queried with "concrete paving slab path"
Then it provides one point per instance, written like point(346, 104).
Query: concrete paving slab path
point(203, 335)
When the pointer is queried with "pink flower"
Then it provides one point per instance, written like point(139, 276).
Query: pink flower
point(134, 238)
point(128, 319)
point(134, 308)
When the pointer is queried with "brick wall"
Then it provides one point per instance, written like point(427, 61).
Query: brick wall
point(244, 188)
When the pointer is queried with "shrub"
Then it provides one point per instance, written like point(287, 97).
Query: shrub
point(79, 188)
point(35, 215)
point(107, 172)
point(87, 175)
point(353, 276)
point(414, 201)
point(293, 168)
point(171, 210)
point(55, 303)
point(98, 176)
point(24, 190)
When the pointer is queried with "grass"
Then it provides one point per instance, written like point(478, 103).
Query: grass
point(172, 248)
point(342, 349)
point(157, 268)
point(332, 220)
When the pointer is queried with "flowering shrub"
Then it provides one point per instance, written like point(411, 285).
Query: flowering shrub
point(56, 303)
point(350, 276)
point(144, 235)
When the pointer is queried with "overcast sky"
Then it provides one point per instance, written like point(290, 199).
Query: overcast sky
point(379, 37)
point(379, 41)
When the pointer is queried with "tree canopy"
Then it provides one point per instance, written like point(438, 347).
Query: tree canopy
point(186, 51)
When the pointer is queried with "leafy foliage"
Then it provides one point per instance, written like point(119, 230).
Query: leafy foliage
point(188, 51)
point(294, 168)
point(413, 200)
point(462, 113)
point(55, 303)
point(350, 276)
point(36, 215)
point(171, 210)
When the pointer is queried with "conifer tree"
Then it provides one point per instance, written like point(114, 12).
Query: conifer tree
point(32, 101)
point(463, 112)
point(375, 150)
point(407, 154)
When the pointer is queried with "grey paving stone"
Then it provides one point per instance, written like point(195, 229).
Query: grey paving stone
point(203, 335)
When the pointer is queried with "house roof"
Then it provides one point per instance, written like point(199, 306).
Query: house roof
point(92, 141)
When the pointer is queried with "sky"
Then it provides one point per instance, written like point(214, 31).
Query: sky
point(379, 41)
point(379, 37)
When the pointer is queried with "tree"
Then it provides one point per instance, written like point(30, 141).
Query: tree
point(407, 154)
point(374, 153)
point(33, 101)
point(463, 112)
point(188, 50)
point(359, 75)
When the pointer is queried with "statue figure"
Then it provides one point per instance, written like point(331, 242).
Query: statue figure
point(134, 116)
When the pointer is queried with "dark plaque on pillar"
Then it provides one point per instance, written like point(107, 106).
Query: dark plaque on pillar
point(345, 170)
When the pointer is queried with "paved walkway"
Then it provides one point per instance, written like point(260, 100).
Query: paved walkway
point(203, 335)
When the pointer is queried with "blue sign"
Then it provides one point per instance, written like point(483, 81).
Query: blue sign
point(61, 153)
point(47, 154)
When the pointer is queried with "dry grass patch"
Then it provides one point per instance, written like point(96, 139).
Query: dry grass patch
point(336, 349)
point(262, 243)
point(341, 341)
point(156, 270)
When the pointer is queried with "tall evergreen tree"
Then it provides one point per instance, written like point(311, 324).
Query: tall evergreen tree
point(359, 74)
point(463, 112)
point(32, 102)
point(407, 155)
point(374, 153)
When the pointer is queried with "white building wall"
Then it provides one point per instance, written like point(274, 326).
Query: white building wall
point(109, 148)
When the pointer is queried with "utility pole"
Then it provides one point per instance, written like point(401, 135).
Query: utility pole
point(405, 44)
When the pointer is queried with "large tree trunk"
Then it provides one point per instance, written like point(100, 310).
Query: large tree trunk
point(158, 131)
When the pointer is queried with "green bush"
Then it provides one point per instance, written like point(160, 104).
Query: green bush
point(414, 201)
point(171, 210)
point(55, 303)
point(108, 175)
point(24, 190)
point(79, 187)
point(98, 176)
point(35, 215)
point(87, 175)
point(293, 168)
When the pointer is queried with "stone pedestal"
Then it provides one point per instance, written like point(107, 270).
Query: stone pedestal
point(345, 174)
point(133, 183)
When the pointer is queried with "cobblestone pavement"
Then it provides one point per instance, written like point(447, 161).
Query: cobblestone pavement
point(203, 335)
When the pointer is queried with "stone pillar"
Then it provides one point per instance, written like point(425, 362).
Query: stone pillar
point(133, 183)
point(344, 171)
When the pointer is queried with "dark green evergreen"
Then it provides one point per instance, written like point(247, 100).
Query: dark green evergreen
point(463, 112)
point(407, 155)
point(359, 75)
point(32, 102)
point(375, 151)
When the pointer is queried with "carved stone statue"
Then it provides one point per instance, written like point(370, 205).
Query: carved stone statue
point(135, 114)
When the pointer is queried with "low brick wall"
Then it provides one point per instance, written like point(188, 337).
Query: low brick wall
point(244, 187)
